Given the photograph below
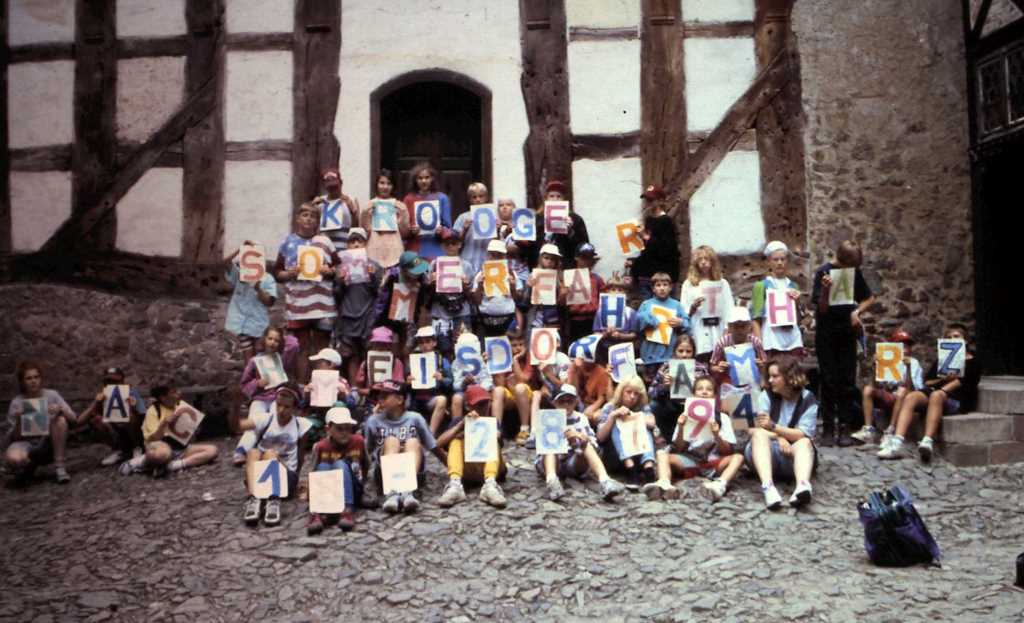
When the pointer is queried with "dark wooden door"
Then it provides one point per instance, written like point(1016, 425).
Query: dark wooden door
point(998, 222)
point(437, 122)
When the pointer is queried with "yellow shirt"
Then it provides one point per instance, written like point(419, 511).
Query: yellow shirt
point(154, 416)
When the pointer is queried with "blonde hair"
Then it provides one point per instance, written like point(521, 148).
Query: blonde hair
point(477, 187)
point(704, 251)
point(637, 384)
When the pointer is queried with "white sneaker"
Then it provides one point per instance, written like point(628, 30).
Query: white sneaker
point(652, 490)
point(866, 434)
point(892, 451)
point(925, 449)
point(886, 440)
point(453, 494)
point(113, 458)
point(801, 495)
point(491, 494)
point(772, 499)
point(714, 489)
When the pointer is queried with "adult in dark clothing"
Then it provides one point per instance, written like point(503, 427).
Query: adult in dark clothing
point(661, 244)
point(566, 243)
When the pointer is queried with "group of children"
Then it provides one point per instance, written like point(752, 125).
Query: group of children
point(376, 317)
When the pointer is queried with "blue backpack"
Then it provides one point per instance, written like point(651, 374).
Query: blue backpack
point(894, 534)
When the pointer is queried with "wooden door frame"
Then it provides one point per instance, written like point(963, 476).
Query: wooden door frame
point(431, 75)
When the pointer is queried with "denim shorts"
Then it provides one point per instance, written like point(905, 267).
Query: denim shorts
point(782, 465)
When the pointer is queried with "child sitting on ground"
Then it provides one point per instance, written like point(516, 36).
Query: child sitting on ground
point(663, 406)
point(164, 452)
point(714, 458)
point(431, 401)
point(466, 370)
point(629, 403)
point(478, 400)
point(345, 450)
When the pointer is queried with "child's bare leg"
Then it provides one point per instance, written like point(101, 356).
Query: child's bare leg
point(550, 466)
point(158, 453)
point(936, 402)
point(59, 438)
point(868, 403)
point(522, 396)
point(761, 453)
point(728, 468)
point(198, 454)
point(413, 445)
point(437, 415)
point(803, 459)
point(664, 466)
point(897, 405)
point(595, 464)
point(498, 405)
point(911, 403)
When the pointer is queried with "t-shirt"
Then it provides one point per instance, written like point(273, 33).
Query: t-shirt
point(653, 352)
point(778, 338)
point(406, 426)
point(562, 364)
point(474, 250)
point(916, 377)
point(156, 414)
point(708, 449)
point(499, 304)
point(282, 439)
point(967, 393)
point(451, 305)
point(727, 340)
point(595, 385)
point(306, 300)
point(327, 451)
point(336, 211)
point(705, 330)
point(246, 314)
point(808, 422)
point(17, 406)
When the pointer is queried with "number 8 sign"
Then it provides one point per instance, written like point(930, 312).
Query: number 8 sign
point(481, 439)
point(699, 412)
point(549, 430)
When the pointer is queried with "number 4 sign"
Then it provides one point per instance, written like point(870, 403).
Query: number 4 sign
point(952, 357)
point(549, 431)
point(699, 412)
point(271, 480)
point(481, 439)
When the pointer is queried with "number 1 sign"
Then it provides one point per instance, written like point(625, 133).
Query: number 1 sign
point(481, 439)
point(271, 480)
point(549, 431)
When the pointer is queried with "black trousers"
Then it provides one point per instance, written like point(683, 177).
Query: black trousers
point(836, 348)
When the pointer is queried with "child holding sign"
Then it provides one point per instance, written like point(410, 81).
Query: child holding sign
point(888, 395)
point(425, 179)
point(628, 407)
point(837, 309)
point(355, 295)
point(433, 399)
point(943, 394)
point(474, 248)
point(668, 393)
point(544, 290)
point(248, 312)
point(581, 314)
point(516, 388)
point(582, 456)
point(338, 211)
point(663, 319)
point(278, 434)
point(774, 305)
point(495, 289)
point(105, 415)
point(661, 243)
point(256, 388)
point(393, 430)
point(731, 360)
point(615, 320)
point(304, 267)
point(385, 247)
point(164, 451)
point(382, 340)
point(450, 277)
point(781, 445)
point(24, 453)
point(402, 294)
point(708, 298)
point(710, 455)
point(455, 441)
point(345, 450)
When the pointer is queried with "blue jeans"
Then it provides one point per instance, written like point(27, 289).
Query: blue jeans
point(353, 485)
point(617, 442)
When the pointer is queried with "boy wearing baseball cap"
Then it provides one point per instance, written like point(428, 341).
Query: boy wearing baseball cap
point(393, 430)
point(342, 449)
point(496, 312)
point(740, 331)
point(431, 401)
point(405, 302)
point(581, 316)
point(355, 298)
point(478, 400)
point(125, 439)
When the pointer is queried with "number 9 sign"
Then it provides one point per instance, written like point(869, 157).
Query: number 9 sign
point(549, 430)
point(699, 412)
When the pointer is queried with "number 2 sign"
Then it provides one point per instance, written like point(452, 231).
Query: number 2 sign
point(481, 439)
point(549, 431)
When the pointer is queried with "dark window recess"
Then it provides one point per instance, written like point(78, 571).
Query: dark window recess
point(992, 84)
point(1015, 82)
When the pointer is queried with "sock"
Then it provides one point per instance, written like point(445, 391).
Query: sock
point(456, 479)
point(138, 461)
point(552, 478)
point(891, 430)
point(898, 438)
point(524, 428)
point(926, 438)
point(490, 481)
point(176, 465)
point(767, 485)
point(804, 483)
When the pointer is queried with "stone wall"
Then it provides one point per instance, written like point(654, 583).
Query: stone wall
point(886, 141)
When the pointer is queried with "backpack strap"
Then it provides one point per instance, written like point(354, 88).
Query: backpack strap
point(259, 436)
point(798, 411)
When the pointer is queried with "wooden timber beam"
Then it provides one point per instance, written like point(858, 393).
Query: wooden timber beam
point(260, 41)
point(545, 86)
point(41, 52)
point(259, 150)
point(662, 92)
point(738, 119)
point(718, 30)
point(779, 126)
point(47, 158)
point(605, 146)
point(6, 245)
point(194, 111)
point(139, 47)
point(203, 143)
point(317, 87)
point(584, 33)
point(1019, 4)
point(979, 22)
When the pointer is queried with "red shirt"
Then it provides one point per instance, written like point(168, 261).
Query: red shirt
point(327, 451)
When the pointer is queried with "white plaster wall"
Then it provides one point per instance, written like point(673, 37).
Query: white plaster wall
point(149, 91)
point(718, 71)
point(150, 18)
point(604, 86)
point(40, 203)
point(718, 10)
point(260, 15)
point(258, 96)
point(257, 203)
point(38, 21)
point(607, 192)
point(725, 212)
point(474, 38)
point(39, 103)
point(602, 13)
point(149, 216)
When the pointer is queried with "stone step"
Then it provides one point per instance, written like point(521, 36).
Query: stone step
point(1001, 394)
point(982, 428)
point(979, 454)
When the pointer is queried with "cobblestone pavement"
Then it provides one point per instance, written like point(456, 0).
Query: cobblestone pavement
point(110, 548)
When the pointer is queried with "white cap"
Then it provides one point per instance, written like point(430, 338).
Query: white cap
point(468, 338)
point(739, 314)
point(566, 390)
point(496, 246)
point(357, 231)
point(775, 245)
point(327, 354)
point(550, 249)
point(427, 331)
point(340, 415)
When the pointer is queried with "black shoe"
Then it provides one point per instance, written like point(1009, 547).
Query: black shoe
point(633, 478)
point(843, 439)
point(649, 474)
